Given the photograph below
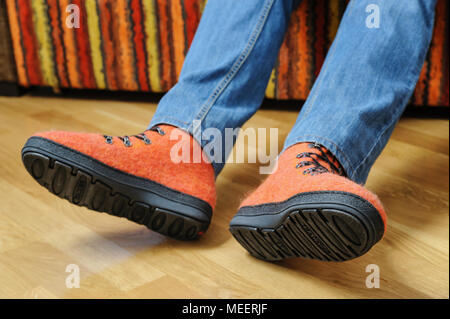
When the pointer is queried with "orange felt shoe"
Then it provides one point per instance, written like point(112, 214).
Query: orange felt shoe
point(130, 176)
point(308, 209)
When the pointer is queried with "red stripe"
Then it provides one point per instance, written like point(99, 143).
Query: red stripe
point(108, 44)
point(29, 42)
point(165, 45)
point(319, 46)
point(139, 45)
point(192, 18)
point(117, 65)
point(283, 69)
point(57, 42)
point(84, 49)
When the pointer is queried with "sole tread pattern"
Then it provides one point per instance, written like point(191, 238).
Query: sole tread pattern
point(323, 234)
point(84, 189)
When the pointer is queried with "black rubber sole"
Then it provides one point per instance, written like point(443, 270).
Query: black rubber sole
point(87, 182)
point(328, 226)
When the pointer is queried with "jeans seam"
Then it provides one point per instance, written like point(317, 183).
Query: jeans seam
point(400, 110)
point(206, 107)
point(341, 152)
point(382, 133)
point(170, 121)
point(369, 153)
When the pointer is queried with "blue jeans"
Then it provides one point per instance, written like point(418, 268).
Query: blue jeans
point(365, 83)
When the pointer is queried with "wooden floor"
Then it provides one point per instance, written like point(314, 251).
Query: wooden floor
point(40, 234)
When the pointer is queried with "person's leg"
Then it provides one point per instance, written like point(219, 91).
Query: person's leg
point(307, 207)
point(227, 68)
point(222, 84)
point(366, 81)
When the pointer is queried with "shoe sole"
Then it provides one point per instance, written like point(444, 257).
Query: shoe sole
point(327, 226)
point(84, 181)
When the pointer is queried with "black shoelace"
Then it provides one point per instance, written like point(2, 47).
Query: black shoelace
point(126, 139)
point(313, 159)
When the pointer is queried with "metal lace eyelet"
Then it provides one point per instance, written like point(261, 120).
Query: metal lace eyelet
point(126, 141)
point(108, 139)
point(147, 141)
point(157, 129)
point(160, 131)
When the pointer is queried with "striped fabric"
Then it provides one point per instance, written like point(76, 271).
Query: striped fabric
point(7, 69)
point(139, 45)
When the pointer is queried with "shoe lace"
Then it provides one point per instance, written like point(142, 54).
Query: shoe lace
point(126, 139)
point(316, 160)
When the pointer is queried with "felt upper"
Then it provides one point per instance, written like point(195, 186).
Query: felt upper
point(158, 161)
point(288, 180)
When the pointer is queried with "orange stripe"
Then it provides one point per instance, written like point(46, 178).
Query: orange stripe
point(165, 45)
point(117, 62)
point(139, 45)
point(293, 74)
point(84, 49)
point(126, 54)
point(57, 42)
point(178, 34)
point(420, 86)
point(108, 43)
point(29, 42)
point(16, 37)
point(192, 9)
point(304, 76)
point(70, 47)
point(283, 68)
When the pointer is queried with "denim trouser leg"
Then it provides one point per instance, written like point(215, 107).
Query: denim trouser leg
point(228, 66)
point(366, 81)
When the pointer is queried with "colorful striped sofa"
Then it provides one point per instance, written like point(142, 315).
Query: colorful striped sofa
point(139, 45)
point(7, 66)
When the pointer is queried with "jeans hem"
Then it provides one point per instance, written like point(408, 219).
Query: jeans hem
point(170, 121)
